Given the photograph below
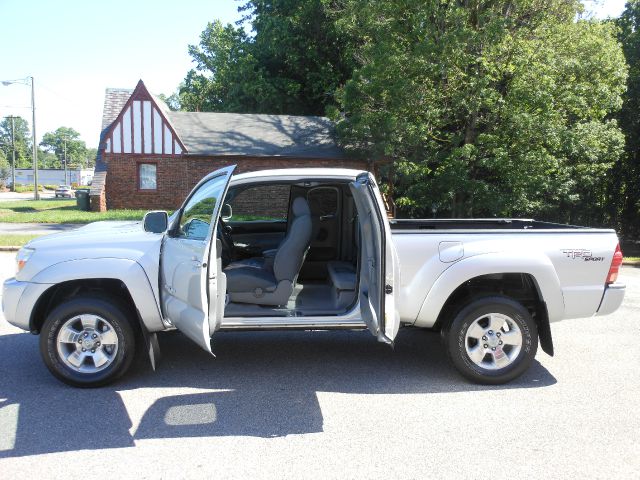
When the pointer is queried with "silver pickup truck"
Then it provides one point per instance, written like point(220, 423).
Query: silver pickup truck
point(308, 249)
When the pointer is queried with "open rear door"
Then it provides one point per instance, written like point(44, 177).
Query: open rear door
point(192, 284)
point(379, 267)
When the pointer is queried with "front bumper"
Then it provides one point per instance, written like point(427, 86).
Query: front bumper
point(19, 299)
point(612, 298)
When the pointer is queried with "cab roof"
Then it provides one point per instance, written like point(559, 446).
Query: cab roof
point(302, 173)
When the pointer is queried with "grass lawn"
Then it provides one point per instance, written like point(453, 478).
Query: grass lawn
point(15, 240)
point(59, 211)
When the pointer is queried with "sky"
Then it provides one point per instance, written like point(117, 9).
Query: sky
point(76, 49)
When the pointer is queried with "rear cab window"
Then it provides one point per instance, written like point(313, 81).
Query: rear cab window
point(263, 203)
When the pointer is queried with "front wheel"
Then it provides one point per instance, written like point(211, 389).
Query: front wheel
point(492, 340)
point(87, 341)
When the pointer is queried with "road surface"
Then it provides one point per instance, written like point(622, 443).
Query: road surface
point(331, 405)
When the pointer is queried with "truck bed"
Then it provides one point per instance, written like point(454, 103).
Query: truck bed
point(573, 260)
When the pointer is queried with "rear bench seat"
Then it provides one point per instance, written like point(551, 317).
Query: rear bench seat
point(343, 280)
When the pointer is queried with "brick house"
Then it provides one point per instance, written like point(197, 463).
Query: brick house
point(150, 157)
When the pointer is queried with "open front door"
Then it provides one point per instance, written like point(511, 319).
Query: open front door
point(190, 275)
point(379, 267)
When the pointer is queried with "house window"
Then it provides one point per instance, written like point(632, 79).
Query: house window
point(147, 176)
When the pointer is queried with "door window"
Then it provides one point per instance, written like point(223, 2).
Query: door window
point(196, 216)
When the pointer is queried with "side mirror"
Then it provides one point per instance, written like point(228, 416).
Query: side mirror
point(226, 212)
point(155, 221)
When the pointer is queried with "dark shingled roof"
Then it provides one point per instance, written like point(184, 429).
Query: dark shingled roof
point(237, 134)
point(114, 100)
point(244, 134)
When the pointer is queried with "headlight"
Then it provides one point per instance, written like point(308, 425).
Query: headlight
point(23, 255)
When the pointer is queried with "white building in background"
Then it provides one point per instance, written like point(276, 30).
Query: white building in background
point(53, 176)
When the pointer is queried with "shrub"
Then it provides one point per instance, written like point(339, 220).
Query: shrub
point(27, 188)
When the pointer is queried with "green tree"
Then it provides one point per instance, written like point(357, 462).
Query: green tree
point(65, 139)
point(172, 101)
point(47, 159)
point(224, 69)
point(5, 170)
point(90, 158)
point(485, 107)
point(625, 187)
point(293, 62)
point(22, 141)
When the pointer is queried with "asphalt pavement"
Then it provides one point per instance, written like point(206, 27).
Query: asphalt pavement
point(331, 405)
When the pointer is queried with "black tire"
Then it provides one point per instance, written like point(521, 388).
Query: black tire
point(456, 342)
point(111, 311)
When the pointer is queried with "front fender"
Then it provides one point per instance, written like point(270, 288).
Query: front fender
point(535, 264)
point(128, 272)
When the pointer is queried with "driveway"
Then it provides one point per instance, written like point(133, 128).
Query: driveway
point(331, 405)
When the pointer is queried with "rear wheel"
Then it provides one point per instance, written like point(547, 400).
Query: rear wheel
point(87, 341)
point(492, 340)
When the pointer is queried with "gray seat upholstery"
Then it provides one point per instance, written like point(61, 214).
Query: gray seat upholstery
point(343, 280)
point(342, 275)
point(270, 280)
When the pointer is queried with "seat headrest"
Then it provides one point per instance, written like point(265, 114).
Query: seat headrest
point(300, 207)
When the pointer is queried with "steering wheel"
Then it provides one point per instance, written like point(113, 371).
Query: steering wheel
point(224, 234)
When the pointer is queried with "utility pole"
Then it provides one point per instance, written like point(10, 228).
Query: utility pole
point(36, 193)
point(13, 153)
point(64, 140)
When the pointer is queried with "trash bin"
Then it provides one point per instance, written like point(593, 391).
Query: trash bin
point(82, 200)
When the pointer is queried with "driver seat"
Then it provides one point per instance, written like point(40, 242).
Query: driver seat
point(270, 281)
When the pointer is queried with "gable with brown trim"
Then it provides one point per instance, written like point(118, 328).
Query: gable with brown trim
point(150, 157)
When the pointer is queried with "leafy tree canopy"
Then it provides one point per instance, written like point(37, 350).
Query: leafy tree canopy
point(5, 170)
point(625, 188)
point(479, 107)
point(65, 140)
point(22, 141)
point(485, 107)
point(292, 63)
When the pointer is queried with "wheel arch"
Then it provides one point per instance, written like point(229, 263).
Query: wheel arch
point(124, 279)
point(531, 280)
point(58, 293)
